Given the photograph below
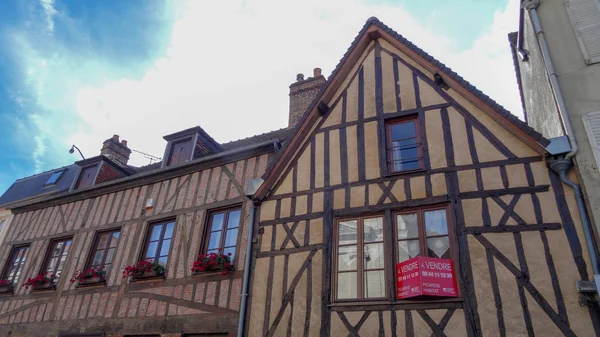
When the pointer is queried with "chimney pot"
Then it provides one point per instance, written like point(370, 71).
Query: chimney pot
point(299, 77)
point(317, 72)
point(116, 137)
point(124, 142)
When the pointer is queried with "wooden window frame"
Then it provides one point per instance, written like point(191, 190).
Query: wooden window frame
point(391, 259)
point(94, 247)
point(208, 225)
point(148, 234)
point(360, 270)
point(422, 234)
point(11, 257)
point(389, 168)
point(48, 255)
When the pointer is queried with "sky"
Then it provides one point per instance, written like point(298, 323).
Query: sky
point(77, 72)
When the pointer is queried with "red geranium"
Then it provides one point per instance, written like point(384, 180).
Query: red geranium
point(144, 266)
point(40, 280)
point(213, 262)
point(81, 276)
point(6, 283)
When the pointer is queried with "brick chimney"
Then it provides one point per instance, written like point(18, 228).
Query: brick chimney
point(302, 93)
point(116, 151)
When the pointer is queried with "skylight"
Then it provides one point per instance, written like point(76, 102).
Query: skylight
point(54, 177)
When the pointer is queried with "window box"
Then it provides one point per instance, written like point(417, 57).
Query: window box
point(41, 282)
point(144, 270)
point(7, 290)
point(50, 286)
point(213, 263)
point(92, 281)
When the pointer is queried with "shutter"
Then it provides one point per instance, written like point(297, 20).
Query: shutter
point(585, 18)
point(591, 121)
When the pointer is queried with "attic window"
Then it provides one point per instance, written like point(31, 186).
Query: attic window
point(54, 178)
point(180, 152)
point(87, 177)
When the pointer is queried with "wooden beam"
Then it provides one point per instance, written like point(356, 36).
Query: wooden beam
point(513, 229)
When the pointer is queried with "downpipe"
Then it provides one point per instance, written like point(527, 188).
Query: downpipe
point(246, 281)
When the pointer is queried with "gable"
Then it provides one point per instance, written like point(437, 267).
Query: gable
point(348, 143)
point(385, 80)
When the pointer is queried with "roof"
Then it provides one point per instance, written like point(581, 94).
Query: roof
point(35, 185)
point(373, 28)
point(513, 39)
point(281, 135)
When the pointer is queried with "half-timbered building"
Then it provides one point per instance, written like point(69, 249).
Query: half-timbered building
point(400, 157)
point(105, 214)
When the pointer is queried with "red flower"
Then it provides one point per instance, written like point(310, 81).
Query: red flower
point(213, 262)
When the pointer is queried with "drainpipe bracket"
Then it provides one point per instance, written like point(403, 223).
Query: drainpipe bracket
point(530, 4)
point(588, 287)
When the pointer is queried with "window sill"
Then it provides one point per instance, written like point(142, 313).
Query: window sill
point(400, 173)
point(425, 302)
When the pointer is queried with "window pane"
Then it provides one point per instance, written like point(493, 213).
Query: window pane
point(435, 222)
point(403, 166)
point(347, 232)
point(230, 250)
point(347, 285)
point(163, 261)
point(403, 130)
point(374, 284)
point(51, 268)
point(109, 256)
point(373, 229)
point(57, 248)
point(156, 229)
point(408, 227)
point(404, 154)
point(408, 249)
point(164, 249)
point(151, 251)
point(347, 258)
point(67, 248)
point(215, 240)
point(438, 247)
point(234, 219)
point(231, 237)
point(97, 258)
point(169, 230)
point(217, 222)
point(374, 257)
point(103, 240)
point(114, 240)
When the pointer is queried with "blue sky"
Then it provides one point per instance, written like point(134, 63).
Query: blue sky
point(77, 72)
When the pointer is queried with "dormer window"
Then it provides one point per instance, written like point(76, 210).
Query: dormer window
point(181, 151)
point(54, 177)
point(187, 145)
point(87, 177)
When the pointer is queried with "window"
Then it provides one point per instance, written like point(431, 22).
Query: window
point(14, 265)
point(87, 176)
point(423, 233)
point(158, 241)
point(105, 246)
point(181, 151)
point(54, 177)
point(56, 256)
point(223, 231)
point(360, 259)
point(403, 145)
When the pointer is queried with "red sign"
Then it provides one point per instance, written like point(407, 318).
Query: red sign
point(426, 276)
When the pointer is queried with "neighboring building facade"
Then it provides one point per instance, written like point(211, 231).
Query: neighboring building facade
point(114, 215)
point(570, 30)
point(400, 157)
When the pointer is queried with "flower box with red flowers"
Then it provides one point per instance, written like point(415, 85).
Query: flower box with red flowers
point(89, 277)
point(6, 287)
point(213, 262)
point(41, 282)
point(144, 270)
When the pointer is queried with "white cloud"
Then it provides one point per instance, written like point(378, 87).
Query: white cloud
point(229, 65)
